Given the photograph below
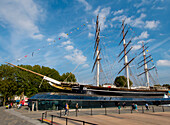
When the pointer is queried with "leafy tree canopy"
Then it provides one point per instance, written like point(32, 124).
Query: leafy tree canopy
point(121, 81)
point(14, 81)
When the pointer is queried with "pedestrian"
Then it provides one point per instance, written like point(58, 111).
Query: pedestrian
point(147, 106)
point(77, 106)
point(133, 106)
point(118, 106)
point(66, 109)
point(136, 107)
point(33, 105)
point(124, 104)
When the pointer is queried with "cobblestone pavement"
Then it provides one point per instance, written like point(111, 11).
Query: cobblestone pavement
point(12, 117)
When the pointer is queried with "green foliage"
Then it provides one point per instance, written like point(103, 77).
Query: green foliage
point(166, 85)
point(71, 77)
point(121, 81)
point(14, 81)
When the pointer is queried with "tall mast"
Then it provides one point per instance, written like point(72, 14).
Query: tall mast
point(126, 63)
point(145, 67)
point(97, 53)
point(126, 59)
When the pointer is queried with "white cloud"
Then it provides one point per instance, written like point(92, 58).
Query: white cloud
point(146, 41)
point(63, 35)
point(66, 43)
point(21, 16)
point(151, 24)
point(143, 2)
point(90, 35)
point(143, 35)
point(69, 47)
point(160, 8)
point(85, 65)
point(37, 36)
point(76, 57)
point(163, 62)
point(119, 18)
point(138, 22)
point(50, 39)
point(96, 12)
point(118, 12)
point(161, 34)
point(136, 47)
point(86, 4)
point(160, 43)
point(103, 13)
point(141, 10)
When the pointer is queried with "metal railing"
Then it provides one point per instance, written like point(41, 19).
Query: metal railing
point(104, 111)
point(66, 118)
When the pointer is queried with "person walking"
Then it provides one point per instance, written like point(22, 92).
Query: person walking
point(118, 106)
point(147, 106)
point(77, 106)
point(136, 107)
point(124, 104)
point(66, 109)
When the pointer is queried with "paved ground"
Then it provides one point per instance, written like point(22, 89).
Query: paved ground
point(24, 117)
point(123, 119)
point(13, 117)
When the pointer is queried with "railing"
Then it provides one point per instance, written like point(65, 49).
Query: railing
point(66, 118)
point(104, 111)
point(42, 117)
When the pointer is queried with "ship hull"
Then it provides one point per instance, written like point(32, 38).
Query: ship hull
point(90, 90)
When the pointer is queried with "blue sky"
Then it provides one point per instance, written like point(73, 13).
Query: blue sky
point(60, 34)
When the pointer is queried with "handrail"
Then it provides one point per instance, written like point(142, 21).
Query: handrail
point(73, 119)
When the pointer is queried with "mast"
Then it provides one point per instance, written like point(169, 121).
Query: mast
point(97, 52)
point(126, 59)
point(145, 67)
point(126, 63)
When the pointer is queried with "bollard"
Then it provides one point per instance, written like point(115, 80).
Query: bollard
point(162, 108)
point(60, 113)
point(42, 117)
point(91, 111)
point(76, 112)
point(142, 110)
point(105, 111)
point(66, 121)
point(51, 119)
point(153, 109)
point(46, 114)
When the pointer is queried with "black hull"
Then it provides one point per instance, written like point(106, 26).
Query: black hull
point(120, 92)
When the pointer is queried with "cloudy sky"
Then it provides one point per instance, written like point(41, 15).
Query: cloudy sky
point(60, 34)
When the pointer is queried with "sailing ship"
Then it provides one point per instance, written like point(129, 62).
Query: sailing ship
point(89, 90)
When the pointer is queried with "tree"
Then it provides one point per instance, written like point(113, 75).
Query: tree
point(121, 81)
point(14, 81)
point(166, 85)
point(8, 84)
point(69, 77)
